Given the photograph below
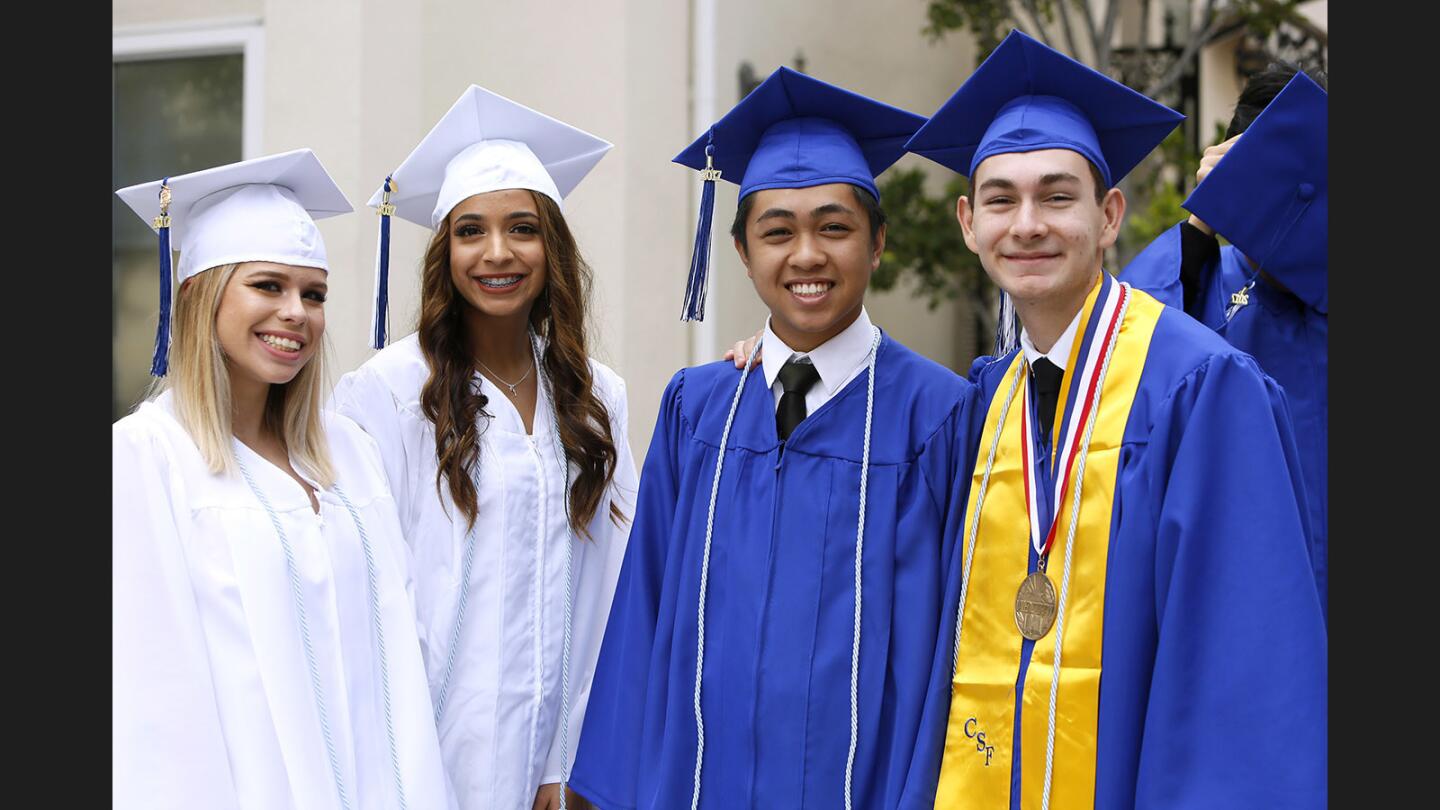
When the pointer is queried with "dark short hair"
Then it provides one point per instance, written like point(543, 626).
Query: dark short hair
point(867, 201)
point(1261, 89)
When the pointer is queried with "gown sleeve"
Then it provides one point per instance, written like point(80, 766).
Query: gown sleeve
point(167, 745)
point(948, 473)
point(595, 586)
point(607, 762)
point(1236, 715)
point(364, 398)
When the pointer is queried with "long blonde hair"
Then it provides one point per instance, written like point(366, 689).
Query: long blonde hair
point(200, 380)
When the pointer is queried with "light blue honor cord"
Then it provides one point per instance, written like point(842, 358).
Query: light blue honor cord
point(299, 600)
point(373, 588)
point(465, 593)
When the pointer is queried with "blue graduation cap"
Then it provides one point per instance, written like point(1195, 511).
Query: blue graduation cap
point(1269, 195)
point(1026, 97)
point(792, 131)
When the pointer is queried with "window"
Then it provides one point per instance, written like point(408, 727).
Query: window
point(182, 101)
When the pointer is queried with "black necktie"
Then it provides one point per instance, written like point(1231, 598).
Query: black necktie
point(1047, 392)
point(795, 378)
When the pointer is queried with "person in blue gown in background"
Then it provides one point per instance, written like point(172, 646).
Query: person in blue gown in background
point(1265, 292)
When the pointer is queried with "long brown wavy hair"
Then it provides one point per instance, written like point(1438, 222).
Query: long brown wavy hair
point(558, 316)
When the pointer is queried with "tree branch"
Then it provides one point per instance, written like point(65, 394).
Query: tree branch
point(1038, 22)
point(1088, 14)
point(1010, 11)
point(1069, 32)
point(1207, 30)
point(1107, 35)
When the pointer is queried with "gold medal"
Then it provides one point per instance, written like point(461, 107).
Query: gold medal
point(1035, 606)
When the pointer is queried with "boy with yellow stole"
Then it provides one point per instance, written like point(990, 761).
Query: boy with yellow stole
point(1136, 620)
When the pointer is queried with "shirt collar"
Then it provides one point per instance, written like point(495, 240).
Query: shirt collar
point(834, 359)
point(1059, 354)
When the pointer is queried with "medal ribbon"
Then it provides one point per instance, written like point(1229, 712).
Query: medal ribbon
point(1114, 296)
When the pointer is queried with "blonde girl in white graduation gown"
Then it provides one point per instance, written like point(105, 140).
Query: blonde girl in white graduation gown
point(265, 647)
point(514, 529)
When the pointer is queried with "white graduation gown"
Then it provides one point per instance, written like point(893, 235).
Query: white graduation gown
point(213, 701)
point(500, 729)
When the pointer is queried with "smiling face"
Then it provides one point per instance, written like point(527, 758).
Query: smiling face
point(810, 255)
point(1037, 227)
point(497, 255)
point(270, 321)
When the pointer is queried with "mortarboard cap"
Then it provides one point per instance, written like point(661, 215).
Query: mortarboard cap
point(484, 143)
point(1269, 194)
point(1027, 96)
point(791, 131)
point(260, 210)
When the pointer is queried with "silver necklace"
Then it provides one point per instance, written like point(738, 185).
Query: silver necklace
point(502, 381)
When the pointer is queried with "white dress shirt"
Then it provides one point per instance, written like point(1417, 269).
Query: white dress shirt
point(1059, 354)
point(839, 360)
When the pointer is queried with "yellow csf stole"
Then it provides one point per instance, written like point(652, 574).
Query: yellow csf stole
point(977, 765)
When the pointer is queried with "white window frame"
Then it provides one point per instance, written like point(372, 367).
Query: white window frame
point(245, 36)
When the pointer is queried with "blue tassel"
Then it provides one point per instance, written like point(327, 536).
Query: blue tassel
point(700, 260)
point(382, 270)
point(160, 363)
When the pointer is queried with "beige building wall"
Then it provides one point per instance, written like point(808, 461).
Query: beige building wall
point(1220, 86)
point(129, 13)
point(1220, 83)
point(875, 49)
point(361, 81)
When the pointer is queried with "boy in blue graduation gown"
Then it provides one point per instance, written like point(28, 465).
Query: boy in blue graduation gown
point(1265, 293)
point(1138, 624)
point(774, 626)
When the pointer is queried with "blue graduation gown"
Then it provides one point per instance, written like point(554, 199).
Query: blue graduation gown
point(1286, 335)
point(779, 613)
point(1212, 660)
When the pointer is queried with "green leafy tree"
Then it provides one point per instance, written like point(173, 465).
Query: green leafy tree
point(924, 241)
point(925, 244)
point(1085, 29)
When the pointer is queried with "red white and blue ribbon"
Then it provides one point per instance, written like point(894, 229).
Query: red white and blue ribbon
point(1044, 494)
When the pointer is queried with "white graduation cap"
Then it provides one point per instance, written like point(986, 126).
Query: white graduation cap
point(484, 143)
point(260, 210)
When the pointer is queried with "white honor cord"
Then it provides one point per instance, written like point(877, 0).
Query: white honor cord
point(1070, 546)
point(705, 578)
point(859, 556)
point(373, 588)
point(975, 521)
point(569, 554)
point(859, 548)
point(298, 599)
point(459, 622)
point(1069, 540)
